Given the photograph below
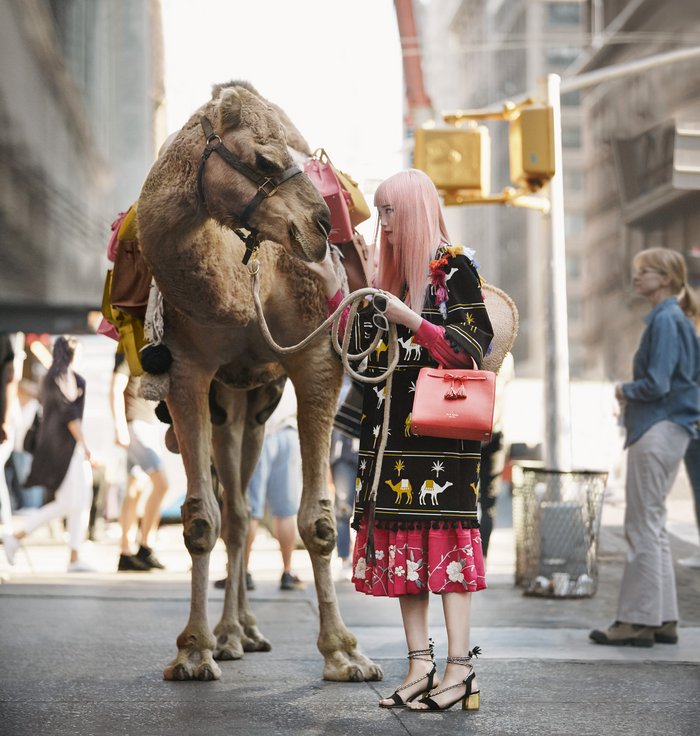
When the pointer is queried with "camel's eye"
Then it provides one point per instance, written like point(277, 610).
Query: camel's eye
point(264, 164)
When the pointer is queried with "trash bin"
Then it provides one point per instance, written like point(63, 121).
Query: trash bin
point(556, 520)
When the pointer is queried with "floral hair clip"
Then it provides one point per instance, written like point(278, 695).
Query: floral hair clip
point(438, 280)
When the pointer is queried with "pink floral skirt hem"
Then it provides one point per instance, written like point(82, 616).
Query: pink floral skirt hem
point(408, 562)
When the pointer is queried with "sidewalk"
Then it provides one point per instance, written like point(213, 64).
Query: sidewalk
point(83, 654)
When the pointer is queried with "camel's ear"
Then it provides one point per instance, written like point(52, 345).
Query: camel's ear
point(230, 108)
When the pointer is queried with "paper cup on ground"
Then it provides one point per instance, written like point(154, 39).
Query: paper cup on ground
point(560, 581)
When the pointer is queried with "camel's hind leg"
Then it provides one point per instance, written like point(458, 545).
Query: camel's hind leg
point(187, 402)
point(236, 449)
point(316, 375)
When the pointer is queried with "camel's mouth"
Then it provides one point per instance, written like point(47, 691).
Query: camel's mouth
point(298, 237)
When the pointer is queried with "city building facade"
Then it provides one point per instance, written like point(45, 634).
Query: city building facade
point(618, 142)
point(81, 109)
point(629, 139)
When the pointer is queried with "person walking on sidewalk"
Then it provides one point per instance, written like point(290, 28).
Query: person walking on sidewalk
point(405, 548)
point(137, 429)
point(61, 456)
point(661, 408)
point(277, 482)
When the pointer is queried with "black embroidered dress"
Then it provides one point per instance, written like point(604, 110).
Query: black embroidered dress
point(425, 518)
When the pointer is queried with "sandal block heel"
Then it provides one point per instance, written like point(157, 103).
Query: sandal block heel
point(472, 701)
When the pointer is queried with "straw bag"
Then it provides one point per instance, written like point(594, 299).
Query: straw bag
point(454, 403)
point(359, 209)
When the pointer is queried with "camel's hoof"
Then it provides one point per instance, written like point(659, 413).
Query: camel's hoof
point(207, 671)
point(347, 673)
point(374, 673)
point(257, 645)
point(183, 671)
point(178, 672)
point(228, 652)
point(350, 666)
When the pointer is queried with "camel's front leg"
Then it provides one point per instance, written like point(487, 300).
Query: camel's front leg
point(188, 405)
point(316, 381)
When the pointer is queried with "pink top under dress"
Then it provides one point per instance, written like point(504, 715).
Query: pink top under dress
point(421, 533)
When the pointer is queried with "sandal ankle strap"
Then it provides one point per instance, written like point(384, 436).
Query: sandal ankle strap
point(465, 661)
point(423, 653)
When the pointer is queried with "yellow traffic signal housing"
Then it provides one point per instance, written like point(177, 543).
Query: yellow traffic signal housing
point(455, 158)
point(531, 147)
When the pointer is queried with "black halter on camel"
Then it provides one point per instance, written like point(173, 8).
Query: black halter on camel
point(267, 185)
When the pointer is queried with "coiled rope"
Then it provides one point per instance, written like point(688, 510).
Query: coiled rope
point(354, 301)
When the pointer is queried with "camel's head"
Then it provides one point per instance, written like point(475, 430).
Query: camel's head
point(266, 193)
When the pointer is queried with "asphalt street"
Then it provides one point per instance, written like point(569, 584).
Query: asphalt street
point(84, 653)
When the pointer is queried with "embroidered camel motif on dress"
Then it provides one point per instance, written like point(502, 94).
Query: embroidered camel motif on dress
point(381, 394)
point(402, 488)
point(410, 347)
point(432, 489)
point(381, 348)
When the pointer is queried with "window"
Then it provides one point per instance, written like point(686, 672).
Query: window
point(564, 14)
point(573, 180)
point(570, 136)
point(558, 59)
point(571, 99)
point(573, 266)
point(574, 309)
point(574, 223)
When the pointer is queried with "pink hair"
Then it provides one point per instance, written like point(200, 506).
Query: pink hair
point(417, 231)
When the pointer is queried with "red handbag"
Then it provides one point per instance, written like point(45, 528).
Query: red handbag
point(454, 403)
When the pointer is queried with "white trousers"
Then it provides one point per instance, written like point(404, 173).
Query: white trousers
point(72, 502)
point(648, 590)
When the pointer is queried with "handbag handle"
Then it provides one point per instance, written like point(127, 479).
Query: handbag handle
point(321, 155)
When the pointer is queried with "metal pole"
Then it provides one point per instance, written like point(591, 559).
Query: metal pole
point(556, 375)
point(589, 79)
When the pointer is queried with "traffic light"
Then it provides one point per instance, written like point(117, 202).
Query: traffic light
point(456, 159)
point(531, 147)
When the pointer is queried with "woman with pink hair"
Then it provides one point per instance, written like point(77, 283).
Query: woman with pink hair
point(409, 542)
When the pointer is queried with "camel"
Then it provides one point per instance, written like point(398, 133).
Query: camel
point(401, 488)
point(410, 347)
point(381, 394)
point(230, 167)
point(432, 489)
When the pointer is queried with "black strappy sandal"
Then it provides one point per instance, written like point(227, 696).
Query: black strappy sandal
point(470, 700)
point(426, 655)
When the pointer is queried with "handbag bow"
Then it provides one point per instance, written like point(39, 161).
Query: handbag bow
point(456, 389)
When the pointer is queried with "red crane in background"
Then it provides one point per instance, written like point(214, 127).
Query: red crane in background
point(420, 107)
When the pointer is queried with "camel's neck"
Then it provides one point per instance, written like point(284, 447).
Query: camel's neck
point(169, 211)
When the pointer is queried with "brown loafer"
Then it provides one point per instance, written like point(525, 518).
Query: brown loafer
point(667, 633)
point(622, 634)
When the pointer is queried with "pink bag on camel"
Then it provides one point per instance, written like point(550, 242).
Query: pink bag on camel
point(323, 176)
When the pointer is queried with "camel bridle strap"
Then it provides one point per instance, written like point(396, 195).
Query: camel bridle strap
point(267, 185)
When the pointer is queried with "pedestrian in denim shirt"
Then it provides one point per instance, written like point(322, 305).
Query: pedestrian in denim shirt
point(661, 408)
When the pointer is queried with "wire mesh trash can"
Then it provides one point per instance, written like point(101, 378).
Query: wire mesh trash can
point(556, 520)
